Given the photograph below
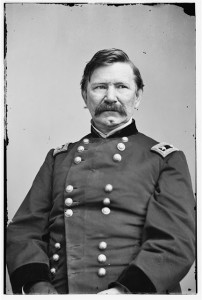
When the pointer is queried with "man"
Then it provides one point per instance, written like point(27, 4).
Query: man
point(112, 213)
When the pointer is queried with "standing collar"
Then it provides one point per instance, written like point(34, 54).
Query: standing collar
point(106, 135)
point(127, 129)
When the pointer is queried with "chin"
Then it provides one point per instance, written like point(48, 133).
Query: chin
point(111, 121)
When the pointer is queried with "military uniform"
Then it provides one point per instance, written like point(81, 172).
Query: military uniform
point(106, 212)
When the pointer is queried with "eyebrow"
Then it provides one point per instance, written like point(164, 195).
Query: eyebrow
point(106, 83)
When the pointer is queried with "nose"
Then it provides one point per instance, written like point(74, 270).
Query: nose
point(110, 96)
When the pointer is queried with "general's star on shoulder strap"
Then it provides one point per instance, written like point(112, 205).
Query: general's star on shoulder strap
point(164, 149)
point(62, 148)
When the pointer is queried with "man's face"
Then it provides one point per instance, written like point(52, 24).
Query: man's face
point(111, 95)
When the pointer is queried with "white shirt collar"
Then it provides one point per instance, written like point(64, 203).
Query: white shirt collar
point(106, 135)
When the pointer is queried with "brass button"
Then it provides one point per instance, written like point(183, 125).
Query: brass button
point(69, 188)
point(56, 257)
point(102, 272)
point(125, 139)
point(121, 146)
point(106, 201)
point(53, 270)
point(86, 141)
point(68, 213)
point(77, 160)
point(117, 157)
point(68, 201)
point(102, 245)
point(80, 149)
point(106, 210)
point(57, 245)
point(108, 188)
point(102, 258)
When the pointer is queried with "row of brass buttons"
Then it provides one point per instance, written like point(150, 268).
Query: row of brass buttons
point(103, 245)
point(69, 188)
point(56, 257)
point(102, 259)
point(80, 149)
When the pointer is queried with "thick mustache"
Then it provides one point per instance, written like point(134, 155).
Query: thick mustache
point(109, 107)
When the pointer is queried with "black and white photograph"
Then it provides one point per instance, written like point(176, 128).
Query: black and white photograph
point(100, 148)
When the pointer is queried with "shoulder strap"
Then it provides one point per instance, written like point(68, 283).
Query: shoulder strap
point(164, 149)
point(60, 149)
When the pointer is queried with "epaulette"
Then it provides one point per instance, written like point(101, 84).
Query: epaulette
point(164, 149)
point(62, 148)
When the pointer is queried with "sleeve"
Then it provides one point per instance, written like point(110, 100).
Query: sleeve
point(168, 241)
point(27, 233)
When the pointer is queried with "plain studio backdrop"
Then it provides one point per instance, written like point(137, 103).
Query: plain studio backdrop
point(48, 46)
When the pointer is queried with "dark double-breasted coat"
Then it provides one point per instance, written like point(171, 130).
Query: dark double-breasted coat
point(106, 212)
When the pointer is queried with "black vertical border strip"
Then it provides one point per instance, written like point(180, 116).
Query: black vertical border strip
point(6, 141)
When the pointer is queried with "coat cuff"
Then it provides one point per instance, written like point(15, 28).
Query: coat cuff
point(135, 281)
point(29, 273)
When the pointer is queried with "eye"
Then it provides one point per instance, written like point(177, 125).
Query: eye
point(100, 87)
point(121, 86)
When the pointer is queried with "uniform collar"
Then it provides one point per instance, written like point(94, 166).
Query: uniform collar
point(125, 130)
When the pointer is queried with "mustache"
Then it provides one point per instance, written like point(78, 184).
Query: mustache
point(109, 107)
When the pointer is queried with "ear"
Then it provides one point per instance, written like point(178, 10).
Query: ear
point(138, 98)
point(84, 95)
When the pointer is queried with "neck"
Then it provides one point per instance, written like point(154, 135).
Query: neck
point(107, 129)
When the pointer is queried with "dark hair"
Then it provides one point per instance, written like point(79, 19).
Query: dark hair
point(106, 57)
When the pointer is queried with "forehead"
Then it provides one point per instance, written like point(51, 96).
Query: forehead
point(116, 72)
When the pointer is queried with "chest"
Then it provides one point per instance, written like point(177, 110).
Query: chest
point(123, 172)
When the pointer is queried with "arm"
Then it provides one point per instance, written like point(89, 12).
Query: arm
point(38, 288)
point(27, 235)
point(168, 247)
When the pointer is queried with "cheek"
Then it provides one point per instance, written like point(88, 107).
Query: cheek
point(94, 98)
point(129, 103)
point(92, 103)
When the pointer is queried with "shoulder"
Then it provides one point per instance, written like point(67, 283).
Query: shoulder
point(145, 141)
point(65, 147)
point(61, 149)
point(161, 148)
point(164, 149)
